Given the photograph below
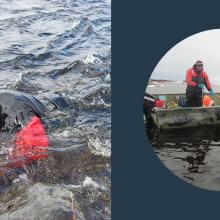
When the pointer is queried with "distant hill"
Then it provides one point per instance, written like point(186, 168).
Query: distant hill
point(158, 81)
point(161, 81)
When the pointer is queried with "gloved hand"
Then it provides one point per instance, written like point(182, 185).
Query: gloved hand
point(212, 93)
point(201, 86)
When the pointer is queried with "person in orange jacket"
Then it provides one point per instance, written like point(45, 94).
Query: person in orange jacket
point(196, 79)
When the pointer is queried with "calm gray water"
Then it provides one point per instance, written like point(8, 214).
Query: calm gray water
point(191, 154)
point(64, 47)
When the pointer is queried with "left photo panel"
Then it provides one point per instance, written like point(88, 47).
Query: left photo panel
point(55, 109)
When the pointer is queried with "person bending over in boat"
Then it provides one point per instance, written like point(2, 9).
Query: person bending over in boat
point(196, 79)
point(149, 103)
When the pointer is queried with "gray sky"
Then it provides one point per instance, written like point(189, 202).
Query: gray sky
point(204, 45)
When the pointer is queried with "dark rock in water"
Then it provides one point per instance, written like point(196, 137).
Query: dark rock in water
point(50, 202)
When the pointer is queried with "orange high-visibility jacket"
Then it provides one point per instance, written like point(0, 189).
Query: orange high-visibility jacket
point(193, 78)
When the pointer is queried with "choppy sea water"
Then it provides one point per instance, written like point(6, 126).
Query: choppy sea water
point(191, 154)
point(61, 47)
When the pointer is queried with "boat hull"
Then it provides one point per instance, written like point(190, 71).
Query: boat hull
point(186, 117)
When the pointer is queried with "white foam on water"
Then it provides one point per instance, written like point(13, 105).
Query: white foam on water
point(98, 101)
point(6, 150)
point(19, 79)
point(21, 76)
point(108, 78)
point(76, 186)
point(65, 133)
point(89, 182)
point(90, 59)
point(21, 178)
point(99, 148)
point(17, 180)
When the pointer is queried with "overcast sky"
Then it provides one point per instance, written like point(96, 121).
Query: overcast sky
point(204, 45)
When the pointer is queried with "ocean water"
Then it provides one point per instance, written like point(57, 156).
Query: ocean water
point(61, 47)
point(190, 154)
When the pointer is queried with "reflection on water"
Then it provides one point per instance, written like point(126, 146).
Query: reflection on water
point(192, 154)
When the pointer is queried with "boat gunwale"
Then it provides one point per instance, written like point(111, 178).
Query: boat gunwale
point(186, 108)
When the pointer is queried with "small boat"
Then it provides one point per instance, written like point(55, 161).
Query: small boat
point(186, 117)
point(176, 117)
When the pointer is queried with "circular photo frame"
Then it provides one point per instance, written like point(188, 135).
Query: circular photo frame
point(182, 110)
